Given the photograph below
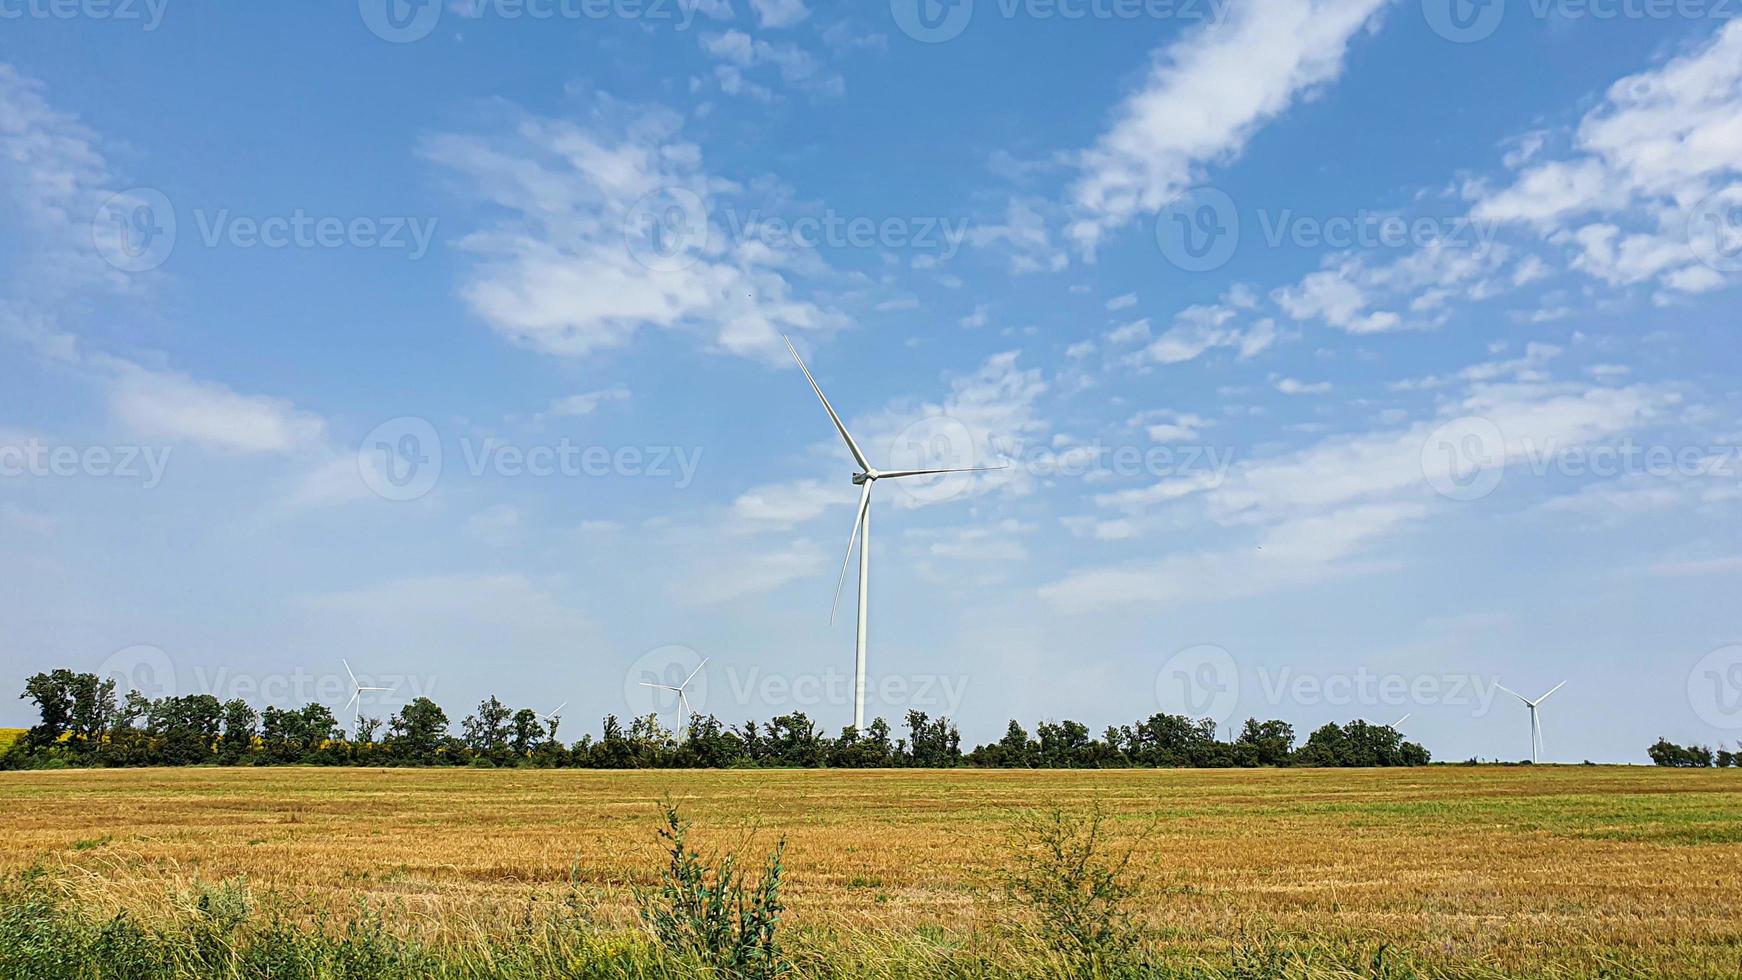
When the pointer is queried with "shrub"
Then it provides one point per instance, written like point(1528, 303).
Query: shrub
point(710, 911)
point(1075, 888)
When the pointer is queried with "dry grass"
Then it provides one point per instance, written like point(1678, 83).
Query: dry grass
point(1514, 867)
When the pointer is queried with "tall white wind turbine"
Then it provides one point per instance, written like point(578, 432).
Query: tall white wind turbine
point(683, 701)
point(356, 702)
point(1535, 728)
point(861, 532)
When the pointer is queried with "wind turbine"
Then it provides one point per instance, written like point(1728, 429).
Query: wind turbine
point(1398, 724)
point(356, 702)
point(1535, 729)
point(554, 716)
point(861, 533)
point(683, 701)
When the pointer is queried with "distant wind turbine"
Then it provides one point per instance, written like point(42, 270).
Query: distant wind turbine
point(356, 702)
point(1398, 724)
point(861, 533)
point(683, 701)
point(553, 717)
point(1535, 727)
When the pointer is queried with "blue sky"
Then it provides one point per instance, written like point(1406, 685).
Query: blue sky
point(1351, 357)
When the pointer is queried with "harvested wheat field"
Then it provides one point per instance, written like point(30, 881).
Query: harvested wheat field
point(1530, 868)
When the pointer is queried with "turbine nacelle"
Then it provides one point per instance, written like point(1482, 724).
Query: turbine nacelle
point(860, 479)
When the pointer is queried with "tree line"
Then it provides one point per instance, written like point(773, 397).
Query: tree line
point(1666, 753)
point(85, 723)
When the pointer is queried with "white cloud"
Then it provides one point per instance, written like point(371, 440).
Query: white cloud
point(979, 318)
point(739, 54)
point(1198, 329)
point(779, 13)
point(1660, 142)
point(1023, 236)
point(1124, 302)
point(566, 274)
point(587, 403)
point(752, 573)
point(1204, 97)
point(166, 405)
point(1320, 507)
point(1291, 386)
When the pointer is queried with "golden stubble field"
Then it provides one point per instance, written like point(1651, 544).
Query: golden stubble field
point(1521, 866)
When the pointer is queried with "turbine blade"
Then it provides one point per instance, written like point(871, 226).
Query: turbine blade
point(557, 710)
point(858, 519)
point(347, 664)
point(1555, 688)
point(897, 474)
point(354, 697)
point(852, 446)
point(1515, 694)
point(693, 673)
point(1400, 721)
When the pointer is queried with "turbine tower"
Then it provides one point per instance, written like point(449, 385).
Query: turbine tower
point(683, 701)
point(861, 532)
point(1535, 728)
point(356, 702)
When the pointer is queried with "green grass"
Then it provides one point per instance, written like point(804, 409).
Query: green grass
point(218, 935)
